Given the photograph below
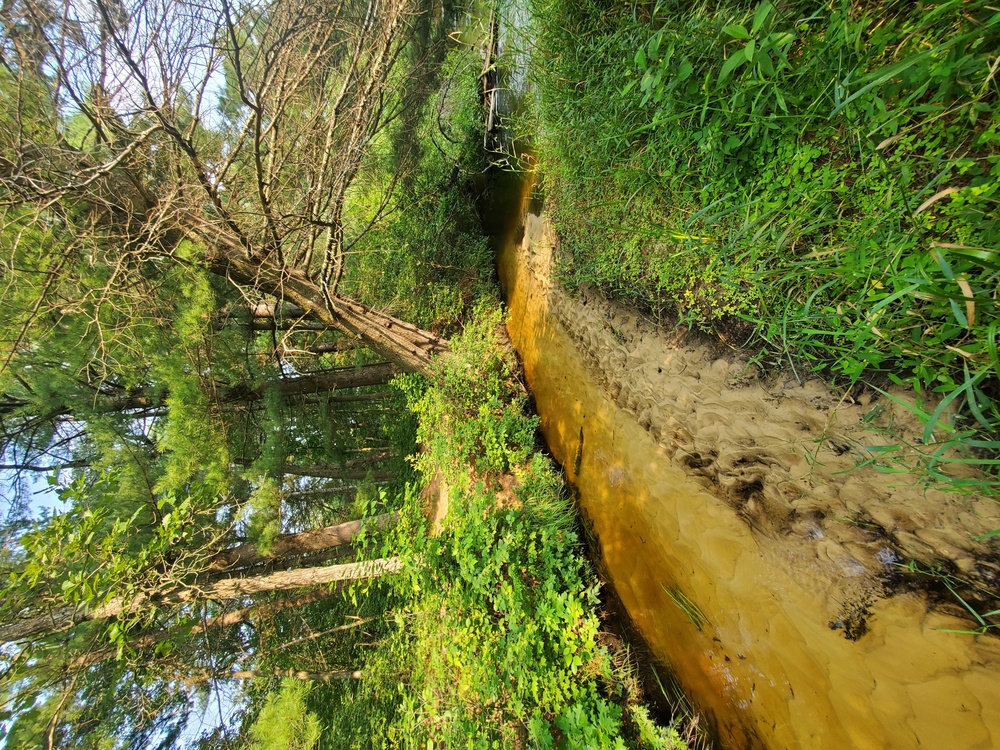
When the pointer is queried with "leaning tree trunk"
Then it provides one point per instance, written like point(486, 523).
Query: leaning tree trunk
point(336, 471)
point(63, 618)
point(297, 674)
point(291, 545)
point(257, 610)
point(331, 380)
point(410, 347)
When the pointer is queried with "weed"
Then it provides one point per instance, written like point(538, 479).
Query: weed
point(502, 644)
point(952, 583)
point(828, 174)
point(685, 605)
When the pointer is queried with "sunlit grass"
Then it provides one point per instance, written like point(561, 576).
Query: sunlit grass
point(828, 175)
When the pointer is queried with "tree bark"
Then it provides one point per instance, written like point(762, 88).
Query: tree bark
point(376, 396)
point(63, 618)
point(289, 545)
point(410, 347)
point(335, 471)
point(275, 311)
point(331, 380)
point(343, 345)
point(137, 400)
point(258, 610)
point(249, 674)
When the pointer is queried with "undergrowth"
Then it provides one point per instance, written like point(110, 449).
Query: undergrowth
point(425, 259)
point(500, 633)
point(827, 173)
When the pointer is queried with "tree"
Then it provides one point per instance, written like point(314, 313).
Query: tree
point(265, 198)
point(62, 618)
point(162, 165)
point(159, 615)
point(285, 723)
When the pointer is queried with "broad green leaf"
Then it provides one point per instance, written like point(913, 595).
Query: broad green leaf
point(731, 64)
point(764, 63)
point(780, 39)
point(654, 46)
point(736, 31)
point(640, 58)
point(684, 70)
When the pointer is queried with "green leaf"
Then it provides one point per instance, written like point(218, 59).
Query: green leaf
point(764, 63)
point(684, 70)
point(640, 59)
point(879, 77)
point(959, 315)
point(945, 266)
point(749, 50)
point(781, 100)
point(736, 31)
point(731, 64)
point(760, 17)
point(984, 257)
point(654, 45)
point(932, 422)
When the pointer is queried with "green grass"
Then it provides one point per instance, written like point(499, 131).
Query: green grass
point(825, 175)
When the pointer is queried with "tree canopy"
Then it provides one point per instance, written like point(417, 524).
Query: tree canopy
point(186, 191)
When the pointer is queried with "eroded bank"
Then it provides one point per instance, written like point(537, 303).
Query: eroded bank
point(748, 568)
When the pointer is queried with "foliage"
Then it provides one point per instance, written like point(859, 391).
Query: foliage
point(138, 380)
point(653, 736)
point(827, 173)
point(500, 629)
point(285, 723)
point(476, 413)
point(428, 261)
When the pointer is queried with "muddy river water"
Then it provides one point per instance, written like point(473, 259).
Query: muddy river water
point(771, 617)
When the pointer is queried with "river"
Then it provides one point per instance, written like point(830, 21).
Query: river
point(740, 601)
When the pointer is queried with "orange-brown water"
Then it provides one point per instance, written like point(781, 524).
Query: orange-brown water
point(743, 622)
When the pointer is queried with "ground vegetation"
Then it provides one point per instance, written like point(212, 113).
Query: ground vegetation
point(812, 182)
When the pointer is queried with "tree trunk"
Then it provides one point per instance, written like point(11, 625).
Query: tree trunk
point(410, 347)
point(289, 545)
point(347, 674)
point(306, 495)
point(273, 311)
point(63, 618)
point(260, 610)
point(331, 380)
point(335, 471)
point(376, 396)
point(341, 345)
point(262, 326)
point(140, 403)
